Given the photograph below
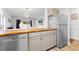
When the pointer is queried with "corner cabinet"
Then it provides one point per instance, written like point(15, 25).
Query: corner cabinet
point(41, 41)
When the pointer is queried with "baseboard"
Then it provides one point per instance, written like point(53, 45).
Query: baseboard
point(51, 48)
point(72, 39)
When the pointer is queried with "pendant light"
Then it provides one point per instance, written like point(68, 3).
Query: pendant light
point(27, 13)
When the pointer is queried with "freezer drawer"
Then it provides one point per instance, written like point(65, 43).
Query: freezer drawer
point(63, 36)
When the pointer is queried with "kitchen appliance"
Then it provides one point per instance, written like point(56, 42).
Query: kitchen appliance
point(8, 44)
point(62, 37)
point(14, 43)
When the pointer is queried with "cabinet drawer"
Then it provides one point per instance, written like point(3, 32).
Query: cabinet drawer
point(48, 32)
point(45, 32)
point(9, 37)
point(2, 38)
point(12, 37)
point(22, 36)
point(34, 34)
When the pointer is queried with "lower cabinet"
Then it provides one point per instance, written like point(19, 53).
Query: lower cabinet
point(52, 39)
point(43, 41)
point(22, 42)
point(34, 43)
point(38, 41)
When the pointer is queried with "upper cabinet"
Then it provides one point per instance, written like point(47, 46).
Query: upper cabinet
point(53, 11)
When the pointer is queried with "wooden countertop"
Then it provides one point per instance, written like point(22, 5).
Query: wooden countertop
point(23, 31)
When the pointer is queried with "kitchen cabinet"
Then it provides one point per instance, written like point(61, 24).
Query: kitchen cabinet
point(22, 42)
point(52, 38)
point(41, 41)
point(52, 11)
point(3, 45)
point(34, 43)
point(48, 39)
point(45, 42)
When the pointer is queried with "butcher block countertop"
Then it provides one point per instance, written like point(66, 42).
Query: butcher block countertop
point(23, 31)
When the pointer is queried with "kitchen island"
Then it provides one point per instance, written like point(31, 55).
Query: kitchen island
point(35, 39)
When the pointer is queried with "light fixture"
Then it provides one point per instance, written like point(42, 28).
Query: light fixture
point(27, 13)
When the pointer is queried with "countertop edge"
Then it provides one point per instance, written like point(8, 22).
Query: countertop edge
point(24, 32)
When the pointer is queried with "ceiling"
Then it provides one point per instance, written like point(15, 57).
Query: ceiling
point(20, 12)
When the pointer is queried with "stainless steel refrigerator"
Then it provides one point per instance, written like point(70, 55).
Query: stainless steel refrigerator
point(62, 38)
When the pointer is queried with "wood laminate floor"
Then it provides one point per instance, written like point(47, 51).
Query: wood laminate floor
point(74, 46)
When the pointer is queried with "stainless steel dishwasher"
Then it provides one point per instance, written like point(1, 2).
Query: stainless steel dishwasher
point(14, 43)
point(8, 43)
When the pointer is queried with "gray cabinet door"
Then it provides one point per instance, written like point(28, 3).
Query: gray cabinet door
point(34, 43)
point(52, 39)
point(22, 42)
point(45, 42)
point(22, 45)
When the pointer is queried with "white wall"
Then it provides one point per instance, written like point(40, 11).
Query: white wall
point(1, 19)
point(74, 26)
point(7, 16)
point(1, 12)
point(46, 18)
